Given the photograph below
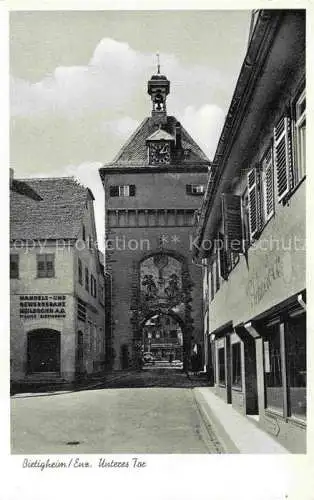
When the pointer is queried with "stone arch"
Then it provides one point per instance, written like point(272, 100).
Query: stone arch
point(141, 308)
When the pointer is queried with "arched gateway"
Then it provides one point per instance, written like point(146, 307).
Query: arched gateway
point(153, 187)
point(162, 302)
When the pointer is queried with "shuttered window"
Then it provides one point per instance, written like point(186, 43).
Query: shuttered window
point(282, 156)
point(223, 257)
point(268, 185)
point(300, 137)
point(123, 190)
point(232, 223)
point(254, 202)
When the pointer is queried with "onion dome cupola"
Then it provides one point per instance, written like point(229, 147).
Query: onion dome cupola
point(158, 88)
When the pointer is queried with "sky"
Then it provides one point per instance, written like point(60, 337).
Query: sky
point(78, 83)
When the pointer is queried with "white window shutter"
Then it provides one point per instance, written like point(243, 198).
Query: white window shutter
point(268, 185)
point(254, 202)
point(282, 156)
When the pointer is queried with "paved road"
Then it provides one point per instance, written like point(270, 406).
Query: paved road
point(139, 414)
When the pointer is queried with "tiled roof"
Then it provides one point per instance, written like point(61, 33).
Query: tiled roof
point(134, 152)
point(46, 208)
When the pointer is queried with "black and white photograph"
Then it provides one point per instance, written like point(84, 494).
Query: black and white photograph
point(157, 177)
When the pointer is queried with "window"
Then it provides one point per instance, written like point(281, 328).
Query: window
point(14, 266)
point(197, 189)
point(45, 265)
point(80, 272)
point(236, 365)
point(282, 156)
point(123, 190)
point(221, 366)
point(93, 286)
point(296, 365)
point(232, 238)
point(253, 190)
point(101, 294)
point(83, 233)
point(245, 218)
point(86, 279)
point(300, 137)
point(212, 281)
point(268, 186)
point(273, 369)
point(81, 310)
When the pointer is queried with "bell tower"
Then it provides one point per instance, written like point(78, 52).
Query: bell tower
point(158, 88)
point(152, 189)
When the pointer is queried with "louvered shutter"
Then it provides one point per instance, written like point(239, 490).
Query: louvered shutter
point(232, 223)
point(114, 190)
point(282, 156)
point(132, 190)
point(254, 202)
point(223, 257)
point(268, 185)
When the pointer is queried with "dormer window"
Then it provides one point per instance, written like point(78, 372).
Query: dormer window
point(159, 147)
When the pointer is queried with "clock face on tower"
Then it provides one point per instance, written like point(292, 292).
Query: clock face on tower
point(159, 153)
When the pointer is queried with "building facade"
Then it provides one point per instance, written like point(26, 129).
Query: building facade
point(57, 282)
point(152, 189)
point(251, 235)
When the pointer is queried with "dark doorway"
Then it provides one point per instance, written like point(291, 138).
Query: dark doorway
point(43, 351)
point(124, 356)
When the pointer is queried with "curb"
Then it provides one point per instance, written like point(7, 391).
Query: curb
point(212, 423)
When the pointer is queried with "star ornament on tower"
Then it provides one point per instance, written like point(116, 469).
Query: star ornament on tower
point(175, 239)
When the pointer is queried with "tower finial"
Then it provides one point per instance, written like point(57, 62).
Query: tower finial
point(158, 64)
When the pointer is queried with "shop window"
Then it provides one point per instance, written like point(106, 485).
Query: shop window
point(296, 365)
point(221, 366)
point(45, 265)
point(273, 369)
point(14, 266)
point(236, 365)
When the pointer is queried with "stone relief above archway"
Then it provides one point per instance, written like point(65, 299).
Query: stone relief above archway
point(161, 283)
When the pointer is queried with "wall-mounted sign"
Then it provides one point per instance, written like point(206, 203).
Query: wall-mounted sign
point(42, 306)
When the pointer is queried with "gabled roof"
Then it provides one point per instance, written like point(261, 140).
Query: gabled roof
point(47, 208)
point(134, 152)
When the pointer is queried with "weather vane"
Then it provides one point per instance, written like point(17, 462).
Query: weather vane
point(158, 64)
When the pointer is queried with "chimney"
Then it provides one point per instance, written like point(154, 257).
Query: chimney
point(11, 176)
point(178, 142)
